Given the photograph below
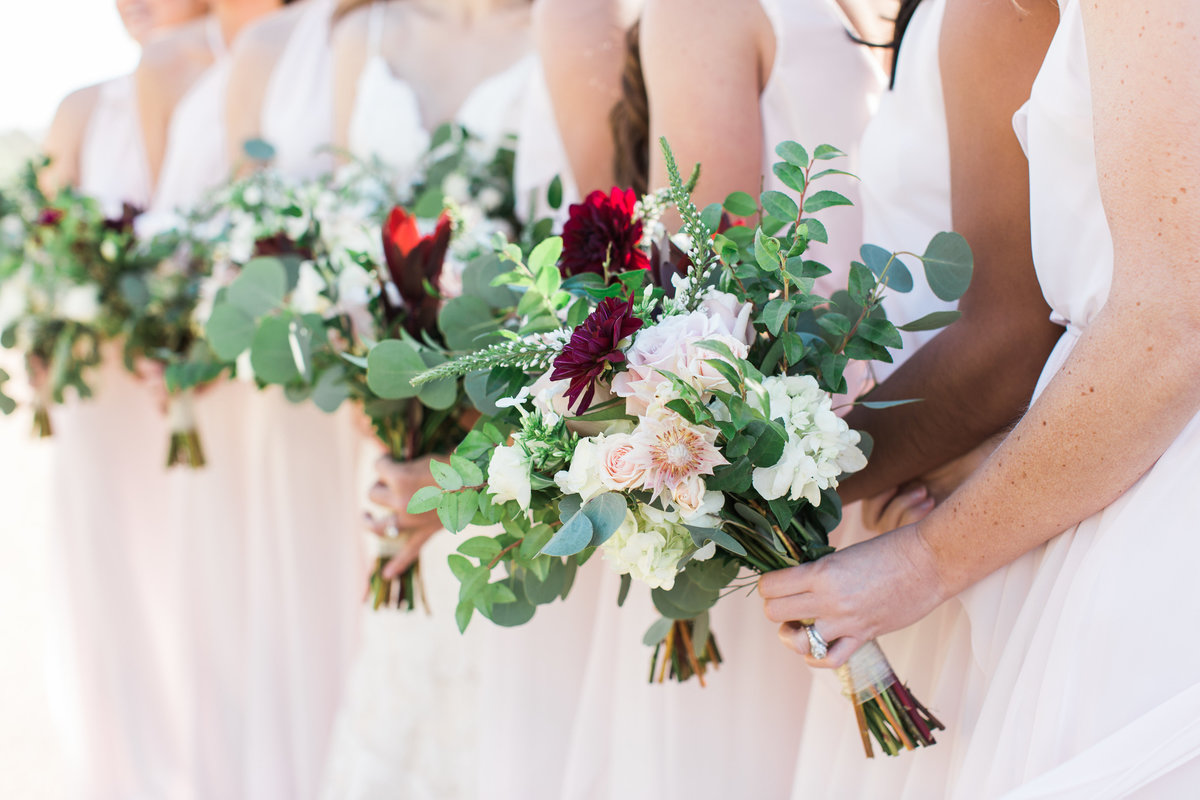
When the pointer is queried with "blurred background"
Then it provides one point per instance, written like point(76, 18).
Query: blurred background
point(47, 49)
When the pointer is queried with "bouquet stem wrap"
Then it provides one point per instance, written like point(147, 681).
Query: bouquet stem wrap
point(682, 655)
point(402, 591)
point(184, 449)
point(883, 705)
point(42, 428)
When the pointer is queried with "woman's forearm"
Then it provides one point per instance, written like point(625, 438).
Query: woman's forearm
point(1127, 390)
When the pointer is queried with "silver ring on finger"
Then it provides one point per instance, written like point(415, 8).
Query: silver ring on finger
point(818, 648)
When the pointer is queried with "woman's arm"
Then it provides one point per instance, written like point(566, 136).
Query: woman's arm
point(1122, 397)
point(705, 64)
point(64, 139)
point(976, 377)
point(582, 47)
point(254, 57)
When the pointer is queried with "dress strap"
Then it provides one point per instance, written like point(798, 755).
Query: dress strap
point(375, 24)
point(216, 42)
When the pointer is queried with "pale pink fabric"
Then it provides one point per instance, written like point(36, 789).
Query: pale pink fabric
point(1069, 711)
point(116, 680)
point(740, 736)
point(305, 568)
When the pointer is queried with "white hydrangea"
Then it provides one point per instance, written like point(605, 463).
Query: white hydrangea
point(648, 546)
point(80, 303)
point(308, 296)
point(820, 447)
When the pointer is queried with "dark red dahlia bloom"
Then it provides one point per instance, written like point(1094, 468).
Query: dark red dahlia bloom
point(123, 223)
point(280, 245)
point(593, 349)
point(49, 216)
point(601, 230)
point(414, 265)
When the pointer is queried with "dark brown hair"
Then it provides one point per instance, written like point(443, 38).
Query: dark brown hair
point(629, 120)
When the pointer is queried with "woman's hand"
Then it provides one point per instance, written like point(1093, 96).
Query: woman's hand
point(854, 595)
point(398, 482)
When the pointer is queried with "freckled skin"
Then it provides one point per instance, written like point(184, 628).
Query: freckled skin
point(1065, 443)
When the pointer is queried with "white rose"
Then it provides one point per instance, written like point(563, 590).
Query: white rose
point(728, 316)
point(80, 303)
point(583, 476)
point(509, 475)
point(691, 498)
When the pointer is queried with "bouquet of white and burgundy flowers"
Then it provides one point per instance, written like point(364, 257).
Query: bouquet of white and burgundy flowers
point(685, 430)
point(66, 286)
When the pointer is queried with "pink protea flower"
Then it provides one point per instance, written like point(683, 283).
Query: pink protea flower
point(672, 452)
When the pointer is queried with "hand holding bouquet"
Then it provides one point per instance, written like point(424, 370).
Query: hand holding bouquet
point(688, 432)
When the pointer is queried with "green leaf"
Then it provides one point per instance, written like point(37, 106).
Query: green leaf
point(880, 332)
point(826, 152)
point(887, 267)
point(792, 153)
point(456, 510)
point(766, 252)
point(769, 439)
point(259, 287)
point(740, 204)
point(331, 389)
point(949, 264)
point(424, 500)
point(258, 150)
point(466, 322)
point(469, 471)
point(793, 346)
point(571, 538)
point(701, 536)
point(460, 567)
point(462, 614)
point(623, 592)
point(606, 512)
point(932, 322)
point(477, 281)
point(438, 395)
point(230, 331)
point(545, 256)
point(879, 404)
point(775, 314)
point(554, 194)
point(391, 366)
point(485, 548)
point(271, 353)
point(791, 176)
point(657, 632)
point(780, 206)
point(446, 476)
point(430, 203)
point(541, 591)
point(825, 199)
point(862, 283)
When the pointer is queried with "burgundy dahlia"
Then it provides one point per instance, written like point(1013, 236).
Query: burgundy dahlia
point(593, 349)
point(49, 216)
point(602, 236)
point(414, 267)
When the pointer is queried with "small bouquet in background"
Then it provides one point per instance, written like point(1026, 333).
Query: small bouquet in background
point(689, 435)
point(62, 288)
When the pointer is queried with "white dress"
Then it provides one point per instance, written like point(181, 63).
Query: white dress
point(739, 736)
point(1067, 713)
point(905, 167)
point(208, 508)
point(111, 563)
point(304, 560)
point(409, 721)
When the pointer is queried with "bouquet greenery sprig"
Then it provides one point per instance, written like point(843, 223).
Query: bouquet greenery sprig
point(688, 432)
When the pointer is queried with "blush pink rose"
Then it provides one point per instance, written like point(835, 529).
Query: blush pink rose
point(618, 470)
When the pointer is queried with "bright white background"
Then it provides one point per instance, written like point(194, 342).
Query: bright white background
point(48, 48)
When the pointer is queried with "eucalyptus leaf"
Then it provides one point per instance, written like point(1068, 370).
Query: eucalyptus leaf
point(230, 331)
point(571, 538)
point(657, 631)
point(949, 264)
point(887, 267)
point(259, 287)
point(271, 354)
point(391, 366)
point(606, 512)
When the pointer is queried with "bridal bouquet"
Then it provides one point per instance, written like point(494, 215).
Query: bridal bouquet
point(686, 431)
point(64, 287)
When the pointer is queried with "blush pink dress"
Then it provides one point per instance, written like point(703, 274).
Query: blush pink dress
point(634, 739)
point(1068, 712)
point(114, 673)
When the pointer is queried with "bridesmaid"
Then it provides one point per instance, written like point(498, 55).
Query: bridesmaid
point(305, 587)
point(1113, 233)
point(931, 143)
point(208, 510)
point(716, 73)
point(410, 717)
point(117, 677)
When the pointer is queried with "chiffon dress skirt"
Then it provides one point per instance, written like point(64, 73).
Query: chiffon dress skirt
point(1096, 688)
point(740, 735)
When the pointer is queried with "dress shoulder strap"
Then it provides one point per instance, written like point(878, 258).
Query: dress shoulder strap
point(375, 23)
